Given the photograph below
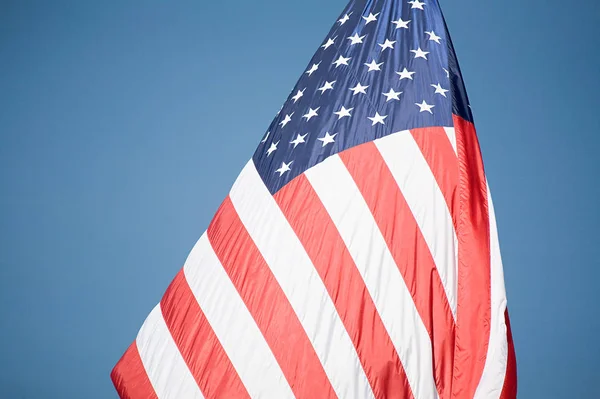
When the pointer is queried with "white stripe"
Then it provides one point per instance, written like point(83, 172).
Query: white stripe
point(233, 324)
point(303, 287)
point(494, 371)
point(427, 203)
point(451, 133)
point(166, 369)
point(351, 215)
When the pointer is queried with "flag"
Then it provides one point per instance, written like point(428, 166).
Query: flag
point(356, 255)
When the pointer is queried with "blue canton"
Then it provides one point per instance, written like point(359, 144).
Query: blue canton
point(386, 66)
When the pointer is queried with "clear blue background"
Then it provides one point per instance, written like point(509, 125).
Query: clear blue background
point(123, 125)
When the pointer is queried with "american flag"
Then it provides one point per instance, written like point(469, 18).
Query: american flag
point(357, 254)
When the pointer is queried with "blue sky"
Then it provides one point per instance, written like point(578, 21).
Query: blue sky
point(123, 125)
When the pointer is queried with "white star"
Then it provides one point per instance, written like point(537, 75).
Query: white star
point(388, 44)
point(286, 120)
point(285, 167)
point(344, 19)
point(299, 140)
point(425, 107)
point(272, 148)
point(373, 66)
point(416, 4)
point(439, 90)
point(433, 37)
point(392, 95)
point(343, 112)
point(356, 39)
point(420, 53)
point(326, 86)
point(359, 89)
point(341, 61)
point(313, 69)
point(298, 95)
point(330, 42)
point(447, 72)
point(370, 18)
point(405, 74)
point(401, 24)
point(377, 119)
point(311, 113)
point(266, 137)
point(327, 139)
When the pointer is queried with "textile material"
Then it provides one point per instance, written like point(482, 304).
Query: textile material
point(356, 255)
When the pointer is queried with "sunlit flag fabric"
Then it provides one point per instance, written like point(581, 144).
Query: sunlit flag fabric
point(357, 254)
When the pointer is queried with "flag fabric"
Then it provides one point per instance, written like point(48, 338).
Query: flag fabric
point(357, 254)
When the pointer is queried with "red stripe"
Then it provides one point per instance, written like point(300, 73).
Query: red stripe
point(474, 274)
point(129, 376)
point(441, 158)
point(268, 304)
point(325, 247)
point(410, 252)
point(509, 391)
point(198, 344)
